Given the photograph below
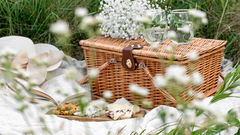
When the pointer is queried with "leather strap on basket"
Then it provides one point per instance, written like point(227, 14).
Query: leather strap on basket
point(164, 92)
point(128, 61)
point(102, 67)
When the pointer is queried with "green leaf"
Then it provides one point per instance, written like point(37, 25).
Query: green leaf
point(232, 86)
point(199, 132)
point(232, 118)
point(216, 129)
point(220, 97)
point(156, 20)
point(238, 132)
point(142, 132)
point(172, 132)
point(228, 76)
point(199, 112)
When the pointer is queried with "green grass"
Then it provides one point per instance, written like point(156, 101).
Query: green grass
point(31, 18)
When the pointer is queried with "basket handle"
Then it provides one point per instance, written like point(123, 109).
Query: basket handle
point(164, 92)
point(100, 68)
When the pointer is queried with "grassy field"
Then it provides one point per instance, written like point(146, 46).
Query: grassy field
point(31, 18)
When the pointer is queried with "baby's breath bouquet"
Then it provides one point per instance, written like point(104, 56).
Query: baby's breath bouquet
point(121, 17)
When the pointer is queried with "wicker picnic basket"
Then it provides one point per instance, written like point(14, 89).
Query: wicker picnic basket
point(123, 62)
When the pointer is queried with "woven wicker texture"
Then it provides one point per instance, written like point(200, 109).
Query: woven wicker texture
point(117, 79)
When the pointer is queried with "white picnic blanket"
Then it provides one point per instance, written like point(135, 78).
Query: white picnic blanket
point(13, 123)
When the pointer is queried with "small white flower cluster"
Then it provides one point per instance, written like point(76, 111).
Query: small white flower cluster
point(60, 27)
point(178, 74)
point(198, 14)
point(195, 94)
point(93, 73)
point(87, 20)
point(81, 12)
point(107, 94)
point(121, 17)
point(193, 56)
point(136, 89)
point(189, 117)
point(220, 115)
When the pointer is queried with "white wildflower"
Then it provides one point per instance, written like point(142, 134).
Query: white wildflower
point(185, 29)
point(220, 115)
point(107, 94)
point(189, 117)
point(193, 56)
point(136, 89)
point(151, 12)
point(168, 48)
point(72, 74)
point(60, 27)
point(180, 106)
point(154, 46)
point(171, 34)
point(81, 12)
point(199, 95)
point(24, 72)
point(204, 20)
point(197, 78)
point(85, 99)
point(89, 20)
point(93, 72)
point(191, 92)
point(159, 81)
point(177, 73)
point(201, 104)
point(99, 18)
point(143, 19)
point(80, 89)
point(197, 13)
point(147, 103)
point(196, 95)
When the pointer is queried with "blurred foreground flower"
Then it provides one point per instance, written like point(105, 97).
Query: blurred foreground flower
point(107, 94)
point(136, 89)
point(197, 78)
point(81, 12)
point(193, 56)
point(177, 73)
point(198, 14)
point(60, 27)
point(93, 73)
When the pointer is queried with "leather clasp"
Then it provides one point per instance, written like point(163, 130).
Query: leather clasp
point(128, 61)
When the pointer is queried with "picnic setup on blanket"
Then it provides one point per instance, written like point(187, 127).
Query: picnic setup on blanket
point(122, 62)
point(129, 54)
point(127, 57)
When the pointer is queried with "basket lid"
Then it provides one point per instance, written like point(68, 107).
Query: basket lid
point(200, 45)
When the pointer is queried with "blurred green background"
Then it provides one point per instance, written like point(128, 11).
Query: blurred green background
point(31, 18)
